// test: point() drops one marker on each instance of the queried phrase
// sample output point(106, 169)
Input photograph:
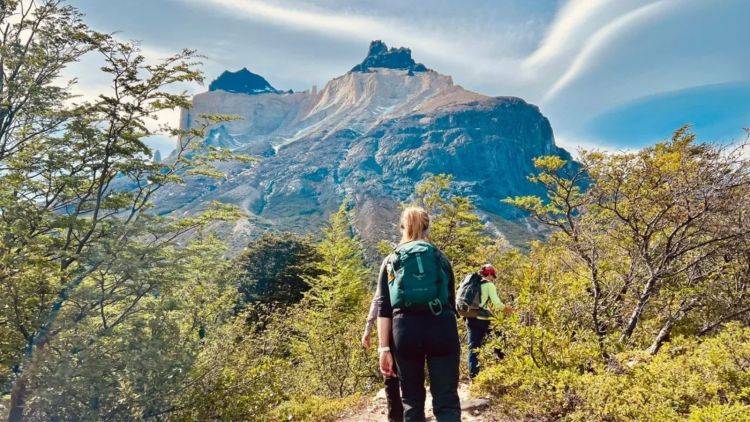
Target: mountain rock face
point(242, 81)
point(379, 56)
point(368, 136)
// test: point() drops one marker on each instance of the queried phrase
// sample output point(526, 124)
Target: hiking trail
point(374, 410)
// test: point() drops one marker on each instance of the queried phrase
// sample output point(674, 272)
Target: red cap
point(487, 270)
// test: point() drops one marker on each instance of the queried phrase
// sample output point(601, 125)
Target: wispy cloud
point(339, 24)
point(586, 58)
point(599, 39)
point(443, 44)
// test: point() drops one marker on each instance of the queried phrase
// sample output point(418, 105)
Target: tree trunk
point(20, 391)
point(17, 400)
point(667, 328)
point(661, 337)
point(36, 346)
point(638, 311)
point(599, 327)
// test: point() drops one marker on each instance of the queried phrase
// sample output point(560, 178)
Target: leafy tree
point(658, 231)
point(275, 268)
point(456, 229)
point(329, 318)
point(77, 180)
point(660, 234)
point(37, 41)
point(130, 357)
point(243, 371)
point(301, 362)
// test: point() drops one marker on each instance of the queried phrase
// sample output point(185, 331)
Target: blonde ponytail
point(414, 224)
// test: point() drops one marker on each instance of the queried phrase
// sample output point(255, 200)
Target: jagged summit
point(242, 81)
point(379, 55)
point(370, 135)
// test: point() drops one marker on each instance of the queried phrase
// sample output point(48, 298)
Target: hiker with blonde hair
point(417, 321)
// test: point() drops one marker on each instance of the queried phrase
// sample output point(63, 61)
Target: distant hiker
point(476, 292)
point(392, 389)
point(416, 309)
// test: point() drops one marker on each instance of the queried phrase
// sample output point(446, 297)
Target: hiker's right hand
point(386, 364)
point(365, 341)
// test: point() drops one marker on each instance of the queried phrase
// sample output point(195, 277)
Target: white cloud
point(566, 31)
point(646, 50)
point(599, 40)
point(571, 40)
point(444, 44)
point(594, 56)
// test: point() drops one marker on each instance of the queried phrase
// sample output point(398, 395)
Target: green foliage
point(302, 361)
point(635, 309)
point(692, 379)
point(242, 372)
point(276, 267)
point(82, 257)
point(130, 356)
point(455, 227)
point(314, 408)
point(328, 320)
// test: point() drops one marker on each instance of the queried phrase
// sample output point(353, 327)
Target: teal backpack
point(416, 278)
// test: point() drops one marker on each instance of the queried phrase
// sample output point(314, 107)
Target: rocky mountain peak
point(369, 135)
point(242, 81)
point(379, 55)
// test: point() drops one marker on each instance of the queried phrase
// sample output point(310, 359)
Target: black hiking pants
point(393, 398)
point(478, 329)
point(420, 338)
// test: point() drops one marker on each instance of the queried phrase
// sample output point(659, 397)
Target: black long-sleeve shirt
point(372, 316)
point(385, 310)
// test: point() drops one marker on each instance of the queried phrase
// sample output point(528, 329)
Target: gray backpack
point(469, 296)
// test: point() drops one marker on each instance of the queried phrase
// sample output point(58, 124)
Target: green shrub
point(700, 380)
point(314, 408)
point(721, 412)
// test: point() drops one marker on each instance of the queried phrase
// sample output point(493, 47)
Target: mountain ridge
point(368, 136)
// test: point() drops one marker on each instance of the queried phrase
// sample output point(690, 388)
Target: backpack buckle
point(435, 303)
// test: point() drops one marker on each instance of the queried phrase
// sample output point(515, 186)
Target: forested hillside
point(635, 307)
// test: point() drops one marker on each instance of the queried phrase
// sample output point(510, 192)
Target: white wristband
point(384, 349)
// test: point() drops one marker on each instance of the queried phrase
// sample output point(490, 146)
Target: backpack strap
point(393, 263)
point(436, 306)
point(394, 258)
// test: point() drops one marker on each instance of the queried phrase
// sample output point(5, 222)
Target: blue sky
point(609, 74)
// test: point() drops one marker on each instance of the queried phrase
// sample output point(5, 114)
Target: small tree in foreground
point(329, 319)
point(456, 228)
point(300, 362)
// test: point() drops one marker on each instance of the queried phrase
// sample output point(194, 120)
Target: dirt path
point(473, 409)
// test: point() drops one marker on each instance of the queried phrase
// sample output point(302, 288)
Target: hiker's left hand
point(386, 364)
point(365, 341)
point(507, 310)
